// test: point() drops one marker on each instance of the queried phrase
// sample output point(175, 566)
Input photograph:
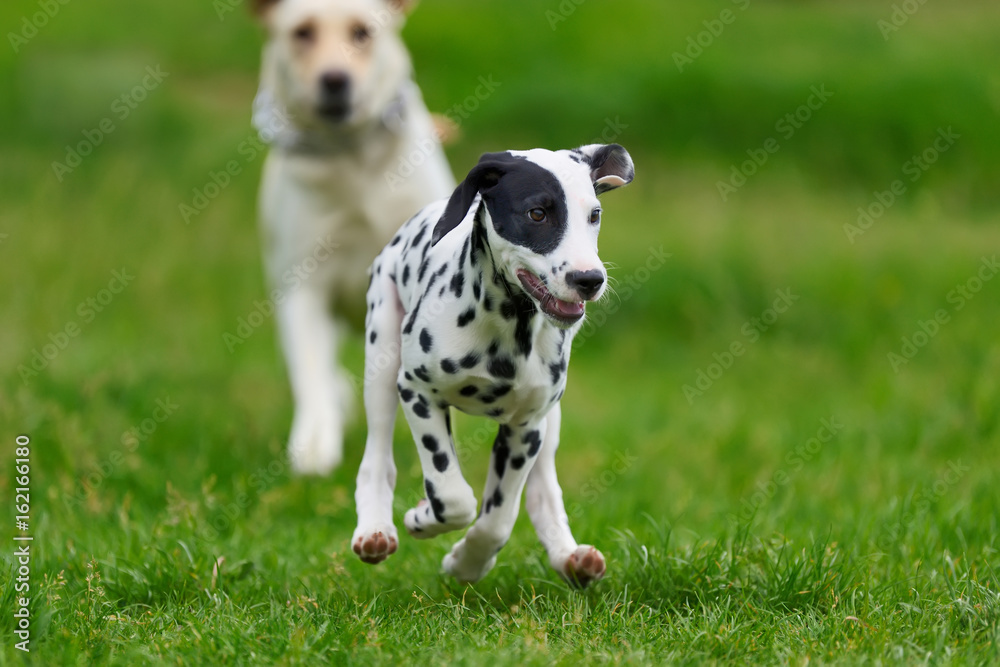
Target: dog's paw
point(374, 546)
point(466, 566)
point(422, 524)
point(315, 446)
point(584, 566)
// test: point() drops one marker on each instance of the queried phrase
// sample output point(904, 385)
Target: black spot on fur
point(447, 425)
point(493, 348)
point(497, 498)
point(478, 240)
point(556, 371)
point(517, 462)
point(407, 375)
point(495, 412)
point(534, 440)
point(404, 393)
point(413, 317)
point(440, 461)
point(507, 309)
point(502, 367)
point(430, 443)
point(467, 317)
point(426, 341)
point(423, 269)
point(477, 291)
point(406, 274)
point(396, 239)
point(501, 390)
point(421, 410)
point(430, 284)
point(522, 332)
point(419, 235)
point(422, 373)
point(457, 283)
point(501, 452)
point(372, 336)
point(461, 255)
point(437, 505)
point(469, 361)
point(448, 366)
point(487, 302)
point(469, 390)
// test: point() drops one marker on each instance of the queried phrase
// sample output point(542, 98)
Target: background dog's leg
point(514, 453)
point(579, 564)
point(450, 503)
point(375, 537)
point(309, 338)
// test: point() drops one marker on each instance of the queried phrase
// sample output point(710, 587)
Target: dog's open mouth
point(567, 312)
point(335, 112)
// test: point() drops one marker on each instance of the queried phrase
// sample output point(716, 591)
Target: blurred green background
point(693, 93)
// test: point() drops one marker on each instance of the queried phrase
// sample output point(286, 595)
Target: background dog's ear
point(610, 166)
point(261, 8)
point(484, 175)
point(401, 6)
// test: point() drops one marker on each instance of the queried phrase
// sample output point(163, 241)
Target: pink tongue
point(564, 308)
point(550, 304)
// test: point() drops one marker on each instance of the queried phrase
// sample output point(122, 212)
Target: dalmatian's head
point(337, 62)
point(542, 218)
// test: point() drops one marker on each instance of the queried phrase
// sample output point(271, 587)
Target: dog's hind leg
point(309, 338)
point(578, 564)
point(375, 538)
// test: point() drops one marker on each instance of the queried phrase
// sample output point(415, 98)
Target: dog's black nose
point(335, 82)
point(334, 89)
point(587, 283)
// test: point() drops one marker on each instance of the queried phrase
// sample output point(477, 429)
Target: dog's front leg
point(514, 453)
point(579, 564)
point(450, 503)
point(321, 393)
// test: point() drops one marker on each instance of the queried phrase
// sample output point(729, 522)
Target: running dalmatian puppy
point(474, 305)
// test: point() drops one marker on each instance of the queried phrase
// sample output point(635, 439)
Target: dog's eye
point(595, 216)
point(537, 214)
point(305, 33)
point(360, 34)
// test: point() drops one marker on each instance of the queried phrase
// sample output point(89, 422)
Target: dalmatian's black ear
point(483, 177)
point(610, 166)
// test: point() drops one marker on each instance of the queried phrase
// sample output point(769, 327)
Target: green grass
point(733, 533)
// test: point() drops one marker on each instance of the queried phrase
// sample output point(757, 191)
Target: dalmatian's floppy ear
point(483, 177)
point(610, 166)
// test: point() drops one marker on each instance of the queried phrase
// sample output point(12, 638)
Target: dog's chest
point(482, 370)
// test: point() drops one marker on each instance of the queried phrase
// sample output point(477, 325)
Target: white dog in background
point(353, 155)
